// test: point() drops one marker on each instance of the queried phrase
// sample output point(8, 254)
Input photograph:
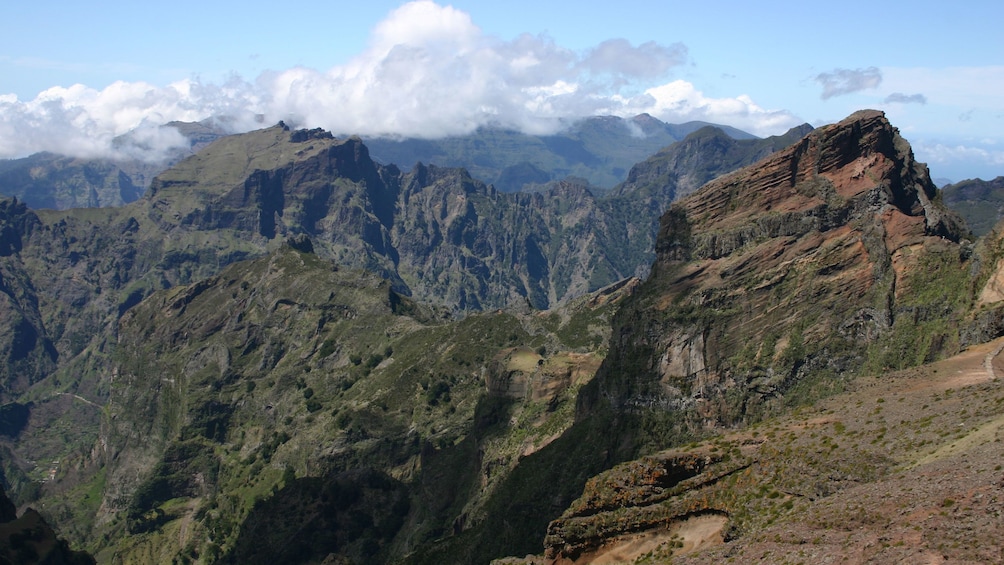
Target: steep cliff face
point(810, 264)
point(772, 286)
point(27, 352)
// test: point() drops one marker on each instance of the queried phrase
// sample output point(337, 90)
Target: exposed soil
point(943, 499)
point(694, 533)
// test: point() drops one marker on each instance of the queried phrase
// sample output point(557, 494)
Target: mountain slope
point(773, 286)
point(287, 381)
point(901, 467)
point(980, 202)
point(773, 273)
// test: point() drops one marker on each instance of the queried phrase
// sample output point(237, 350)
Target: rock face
point(792, 268)
point(772, 285)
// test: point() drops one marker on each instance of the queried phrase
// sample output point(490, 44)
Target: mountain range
point(598, 150)
point(601, 150)
point(288, 351)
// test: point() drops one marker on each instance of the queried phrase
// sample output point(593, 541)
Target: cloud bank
point(428, 71)
point(945, 153)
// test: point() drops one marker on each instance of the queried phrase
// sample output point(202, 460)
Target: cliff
point(774, 285)
point(804, 265)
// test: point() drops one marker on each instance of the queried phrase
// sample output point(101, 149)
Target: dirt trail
point(973, 366)
point(695, 533)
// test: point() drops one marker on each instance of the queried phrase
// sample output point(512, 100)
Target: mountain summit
point(800, 266)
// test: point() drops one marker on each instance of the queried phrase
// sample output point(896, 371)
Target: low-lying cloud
point(839, 82)
point(900, 98)
point(428, 71)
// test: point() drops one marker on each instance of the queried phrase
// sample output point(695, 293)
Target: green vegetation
point(318, 375)
point(235, 379)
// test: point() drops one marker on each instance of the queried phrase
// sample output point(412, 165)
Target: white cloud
point(951, 153)
point(845, 81)
point(428, 71)
point(680, 101)
point(900, 98)
point(960, 160)
point(85, 122)
point(618, 57)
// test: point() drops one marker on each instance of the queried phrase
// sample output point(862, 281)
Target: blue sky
point(75, 75)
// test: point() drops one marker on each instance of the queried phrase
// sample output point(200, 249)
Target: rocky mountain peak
point(799, 265)
point(858, 165)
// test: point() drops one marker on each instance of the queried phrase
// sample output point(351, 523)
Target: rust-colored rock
point(789, 268)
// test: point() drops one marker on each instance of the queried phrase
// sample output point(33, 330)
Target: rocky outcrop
point(797, 267)
point(645, 495)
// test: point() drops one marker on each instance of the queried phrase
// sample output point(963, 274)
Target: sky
point(75, 75)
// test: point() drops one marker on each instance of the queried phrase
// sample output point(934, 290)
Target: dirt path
point(701, 531)
point(695, 533)
point(77, 396)
point(973, 366)
point(988, 363)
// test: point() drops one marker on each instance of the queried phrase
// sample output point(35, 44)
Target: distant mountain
point(598, 149)
point(48, 180)
point(980, 202)
point(705, 154)
point(437, 234)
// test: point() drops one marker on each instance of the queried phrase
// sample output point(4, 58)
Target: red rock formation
point(789, 268)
